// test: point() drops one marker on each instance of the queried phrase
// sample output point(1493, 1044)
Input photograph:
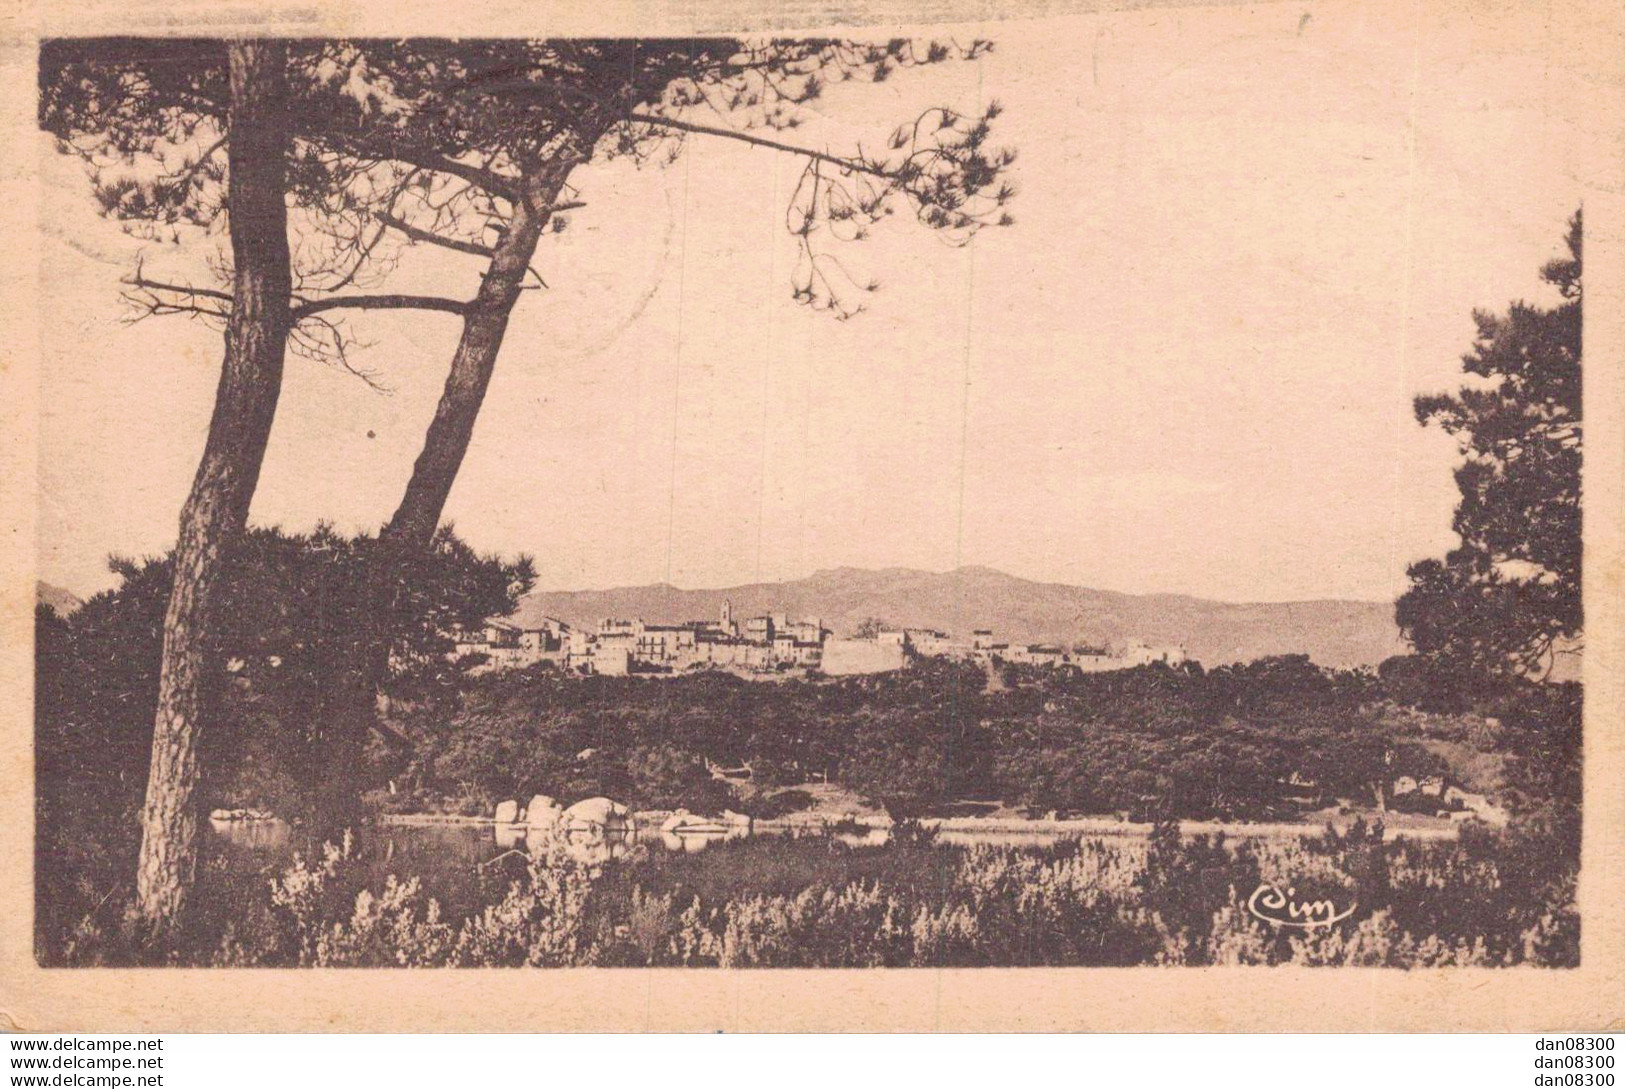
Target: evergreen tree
point(1506, 601)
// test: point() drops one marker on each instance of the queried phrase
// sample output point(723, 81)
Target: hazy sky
point(1244, 240)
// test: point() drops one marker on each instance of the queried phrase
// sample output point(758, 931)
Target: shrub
point(815, 902)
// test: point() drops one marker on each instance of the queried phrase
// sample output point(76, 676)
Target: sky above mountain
point(1245, 239)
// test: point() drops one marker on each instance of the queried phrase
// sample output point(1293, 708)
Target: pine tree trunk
point(418, 515)
point(216, 510)
point(412, 528)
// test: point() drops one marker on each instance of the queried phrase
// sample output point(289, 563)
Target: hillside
point(1333, 633)
point(63, 601)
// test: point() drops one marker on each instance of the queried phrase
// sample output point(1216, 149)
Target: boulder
point(684, 823)
point(507, 812)
point(676, 820)
point(543, 812)
point(597, 815)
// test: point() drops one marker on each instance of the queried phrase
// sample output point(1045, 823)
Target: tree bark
point(418, 514)
point(353, 709)
point(216, 510)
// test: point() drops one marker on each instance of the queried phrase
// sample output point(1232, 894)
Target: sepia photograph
point(1082, 489)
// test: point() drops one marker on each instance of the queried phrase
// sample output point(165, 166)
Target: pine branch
point(488, 180)
point(140, 281)
point(181, 177)
point(379, 302)
point(760, 141)
point(419, 235)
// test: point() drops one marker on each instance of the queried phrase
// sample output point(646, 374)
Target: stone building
point(770, 642)
point(501, 644)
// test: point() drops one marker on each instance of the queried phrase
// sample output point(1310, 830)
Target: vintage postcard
point(962, 517)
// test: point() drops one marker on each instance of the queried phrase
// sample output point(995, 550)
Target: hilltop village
point(768, 645)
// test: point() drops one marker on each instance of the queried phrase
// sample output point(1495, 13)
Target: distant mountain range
point(1333, 633)
point(63, 601)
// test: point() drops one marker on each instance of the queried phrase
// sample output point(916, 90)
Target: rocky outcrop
point(241, 815)
point(598, 815)
point(684, 823)
point(543, 812)
point(678, 821)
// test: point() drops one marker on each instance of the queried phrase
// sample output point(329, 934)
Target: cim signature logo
point(1283, 909)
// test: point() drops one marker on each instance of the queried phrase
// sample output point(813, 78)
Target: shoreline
point(1088, 826)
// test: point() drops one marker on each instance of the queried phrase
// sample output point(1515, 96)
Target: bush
point(295, 605)
point(666, 777)
point(1491, 899)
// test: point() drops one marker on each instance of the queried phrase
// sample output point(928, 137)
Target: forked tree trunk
point(353, 708)
point(217, 508)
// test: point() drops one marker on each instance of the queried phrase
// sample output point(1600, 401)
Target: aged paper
point(967, 459)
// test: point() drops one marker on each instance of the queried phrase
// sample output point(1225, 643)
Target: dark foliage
point(293, 602)
point(423, 139)
point(1158, 741)
point(1256, 741)
point(1506, 601)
